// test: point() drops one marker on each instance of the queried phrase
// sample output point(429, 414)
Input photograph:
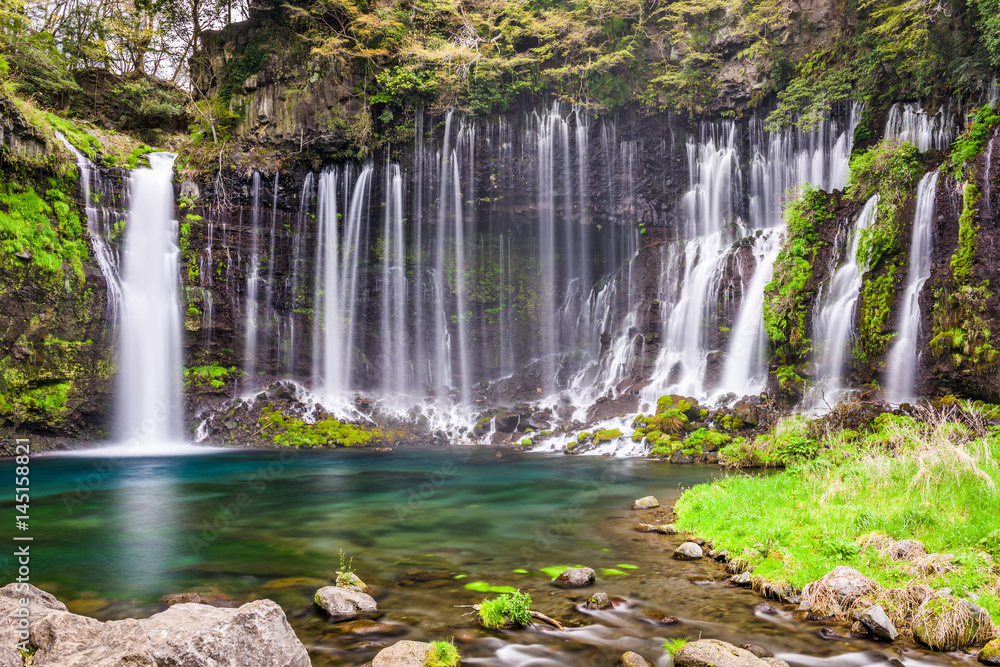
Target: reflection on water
point(114, 534)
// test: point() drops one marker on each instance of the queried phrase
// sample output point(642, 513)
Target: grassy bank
point(936, 479)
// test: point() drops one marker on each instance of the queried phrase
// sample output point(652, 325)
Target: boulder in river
point(757, 650)
point(667, 529)
point(598, 600)
point(646, 503)
point(948, 623)
point(405, 653)
point(990, 655)
point(344, 602)
point(715, 653)
point(645, 528)
point(688, 551)
point(877, 623)
point(575, 577)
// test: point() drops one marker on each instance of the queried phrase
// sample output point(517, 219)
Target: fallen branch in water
point(534, 614)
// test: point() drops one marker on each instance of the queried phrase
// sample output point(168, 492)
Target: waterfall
point(149, 379)
point(250, 299)
point(98, 230)
point(395, 357)
point(297, 260)
point(833, 323)
point(909, 122)
point(904, 355)
point(745, 370)
point(715, 180)
point(340, 256)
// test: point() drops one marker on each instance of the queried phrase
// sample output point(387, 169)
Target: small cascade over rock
point(909, 122)
point(149, 391)
point(904, 356)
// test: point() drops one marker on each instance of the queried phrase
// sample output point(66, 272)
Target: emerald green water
point(111, 536)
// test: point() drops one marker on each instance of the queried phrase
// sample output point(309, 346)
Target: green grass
point(213, 375)
point(514, 606)
point(293, 432)
point(444, 654)
point(933, 482)
point(672, 646)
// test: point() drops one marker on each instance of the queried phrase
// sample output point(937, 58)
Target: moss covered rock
point(990, 655)
point(949, 623)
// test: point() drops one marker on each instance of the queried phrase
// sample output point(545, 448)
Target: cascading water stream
point(97, 229)
point(909, 122)
point(834, 322)
point(395, 381)
point(252, 285)
point(904, 356)
point(149, 380)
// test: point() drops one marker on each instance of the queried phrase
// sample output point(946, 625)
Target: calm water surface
point(112, 535)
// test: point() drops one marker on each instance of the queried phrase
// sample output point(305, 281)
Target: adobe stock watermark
point(227, 514)
point(101, 470)
point(560, 522)
point(418, 495)
point(22, 539)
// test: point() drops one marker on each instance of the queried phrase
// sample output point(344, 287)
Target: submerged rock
point(649, 502)
point(688, 551)
point(715, 653)
point(951, 624)
point(645, 528)
point(576, 577)
point(598, 600)
point(344, 602)
point(877, 622)
point(405, 653)
point(184, 598)
point(757, 650)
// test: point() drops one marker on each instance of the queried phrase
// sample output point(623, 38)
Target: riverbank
point(909, 504)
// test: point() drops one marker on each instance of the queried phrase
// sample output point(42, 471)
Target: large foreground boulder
point(948, 623)
point(254, 635)
point(716, 653)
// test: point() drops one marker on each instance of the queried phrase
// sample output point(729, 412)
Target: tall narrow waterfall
point(834, 322)
point(252, 287)
point(905, 354)
point(149, 391)
point(99, 224)
point(396, 382)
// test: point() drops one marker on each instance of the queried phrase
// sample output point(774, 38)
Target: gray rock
point(776, 662)
point(598, 600)
point(254, 635)
point(757, 650)
point(907, 549)
point(630, 659)
point(352, 582)
point(339, 601)
point(952, 624)
point(10, 596)
point(667, 529)
point(649, 502)
point(715, 653)
point(575, 577)
point(877, 622)
point(405, 653)
point(837, 590)
point(645, 528)
point(688, 551)
point(741, 579)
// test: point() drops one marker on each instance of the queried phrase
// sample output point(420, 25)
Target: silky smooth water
point(113, 535)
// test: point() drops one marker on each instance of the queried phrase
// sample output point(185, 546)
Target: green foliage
point(672, 646)
point(47, 230)
point(292, 432)
point(874, 332)
point(606, 435)
point(443, 654)
point(934, 482)
point(511, 606)
point(961, 321)
point(213, 375)
point(888, 169)
point(708, 439)
point(968, 234)
point(84, 142)
point(787, 444)
point(345, 573)
point(785, 304)
point(973, 140)
point(240, 67)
